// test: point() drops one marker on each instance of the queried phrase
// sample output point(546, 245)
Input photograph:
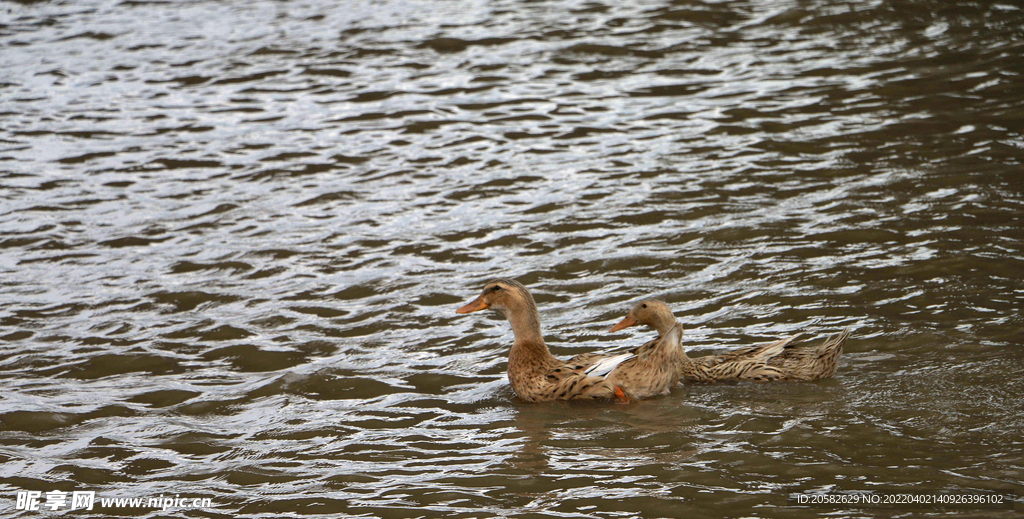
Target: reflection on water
point(234, 236)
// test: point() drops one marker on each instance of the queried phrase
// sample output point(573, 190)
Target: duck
point(780, 360)
point(537, 376)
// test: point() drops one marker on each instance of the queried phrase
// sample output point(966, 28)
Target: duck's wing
point(604, 366)
point(584, 377)
point(624, 376)
point(584, 360)
point(655, 370)
point(746, 369)
point(669, 345)
point(647, 346)
point(763, 352)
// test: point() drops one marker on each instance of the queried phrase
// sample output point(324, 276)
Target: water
point(234, 236)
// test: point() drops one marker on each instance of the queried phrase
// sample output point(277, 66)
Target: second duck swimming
point(779, 360)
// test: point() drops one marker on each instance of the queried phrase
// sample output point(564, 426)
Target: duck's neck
point(529, 351)
point(663, 322)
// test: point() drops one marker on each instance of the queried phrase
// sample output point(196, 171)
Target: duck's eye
point(643, 305)
point(495, 288)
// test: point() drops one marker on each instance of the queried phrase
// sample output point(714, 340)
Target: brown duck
point(776, 361)
point(536, 375)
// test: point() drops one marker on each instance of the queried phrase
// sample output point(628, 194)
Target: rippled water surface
point(233, 236)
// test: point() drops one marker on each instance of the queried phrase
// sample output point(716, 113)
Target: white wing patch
point(605, 366)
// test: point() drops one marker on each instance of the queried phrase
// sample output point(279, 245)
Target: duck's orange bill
point(475, 305)
point(625, 323)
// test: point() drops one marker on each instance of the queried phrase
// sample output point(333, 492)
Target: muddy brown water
point(233, 236)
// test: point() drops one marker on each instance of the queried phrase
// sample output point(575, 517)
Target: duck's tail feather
point(774, 349)
point(828, 354)
point(833, 346)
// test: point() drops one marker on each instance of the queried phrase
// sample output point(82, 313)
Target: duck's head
point(650, 312)
point(503, 295)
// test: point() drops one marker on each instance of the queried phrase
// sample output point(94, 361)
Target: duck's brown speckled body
point(779, 360)
point(536, 375)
